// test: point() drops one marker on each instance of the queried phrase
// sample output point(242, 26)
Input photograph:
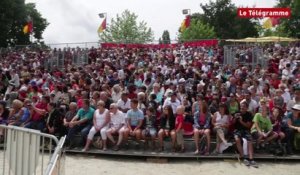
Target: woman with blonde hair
point(15, 111)
point(101, 120)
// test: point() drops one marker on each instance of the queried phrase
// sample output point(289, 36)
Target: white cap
point(181, 80)
point(296, 107)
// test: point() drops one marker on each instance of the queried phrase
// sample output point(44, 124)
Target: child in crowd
point(150, 128)
point(179, 127)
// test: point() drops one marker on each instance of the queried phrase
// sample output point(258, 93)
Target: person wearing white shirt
point(124, 103)
point(285, 93)
point(173, 102)
point(117, 121)
point(252, 104)
point(287, 72)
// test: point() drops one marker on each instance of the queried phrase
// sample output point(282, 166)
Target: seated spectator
point(134, 121)
point(294, 126)
point(54, 122)
point(276, 119)
point(252, 104)
point(37, 120)
point(70, 114)
point(220, 123)
point(179, 128)
point(167, 127)
point(262, 129)
point(173, 102)
point(101, 120)
point(242, 122)
point(25, 118)
point(202, 119)
point(15, 112)
point(142, 101)
point(4, 113)
point(150, 129)
point(116, 93)
point(124, 102)
point(233, 105)
point(82, 123)
point(117, 122)
point(197, 104)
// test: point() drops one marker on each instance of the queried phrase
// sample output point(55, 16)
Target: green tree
point(222, 15)
point(13, 17)
point(126, 29)
point(291, 25)
point(166, 37)
point(197, 30)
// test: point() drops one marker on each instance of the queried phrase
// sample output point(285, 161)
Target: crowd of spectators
point(146, 93)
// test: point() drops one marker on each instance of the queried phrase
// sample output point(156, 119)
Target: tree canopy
point(222, 15)
point(165, 38)
point(126, 29)
point(197, 30)
point(14, 14)
point(290, 26)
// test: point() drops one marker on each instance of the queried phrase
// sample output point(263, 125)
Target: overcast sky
point(78, 20)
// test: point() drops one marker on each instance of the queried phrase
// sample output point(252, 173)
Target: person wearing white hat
point(293, 122)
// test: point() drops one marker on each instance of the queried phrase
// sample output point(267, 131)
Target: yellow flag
point(267, 24)
point(25, 29)
point(183, 26)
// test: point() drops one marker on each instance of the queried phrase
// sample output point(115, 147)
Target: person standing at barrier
point(82, 123)
point(37, 120)
point(134, 121)
point(101, 120)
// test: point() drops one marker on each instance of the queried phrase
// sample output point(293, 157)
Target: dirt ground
point(90, 165)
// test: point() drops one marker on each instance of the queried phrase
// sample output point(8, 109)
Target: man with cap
point(293, 133)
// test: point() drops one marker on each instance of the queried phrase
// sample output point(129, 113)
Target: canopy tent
point(264, 39)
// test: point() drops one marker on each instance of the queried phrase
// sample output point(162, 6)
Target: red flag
point(28, 28)
point(187, 21)
point(275, 21)
point(102, 27)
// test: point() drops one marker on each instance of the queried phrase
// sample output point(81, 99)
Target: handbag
point(97, 142)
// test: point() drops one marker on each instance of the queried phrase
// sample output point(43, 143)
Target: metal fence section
point(27, 152)
point(244, 54)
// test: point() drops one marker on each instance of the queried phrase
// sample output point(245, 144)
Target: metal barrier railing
point(245, 54)
point(26, 152)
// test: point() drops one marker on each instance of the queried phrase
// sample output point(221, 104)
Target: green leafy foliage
point(197, 30)
point(222, 15)
point(13, 16)
point(126, 29)
point(165, 39)
point(291, 26)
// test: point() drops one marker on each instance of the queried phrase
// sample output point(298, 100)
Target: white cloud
point(77, 20)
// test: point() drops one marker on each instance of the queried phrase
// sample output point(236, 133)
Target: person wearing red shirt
point(38, 113)
point(179, 127)
point(275, 81)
